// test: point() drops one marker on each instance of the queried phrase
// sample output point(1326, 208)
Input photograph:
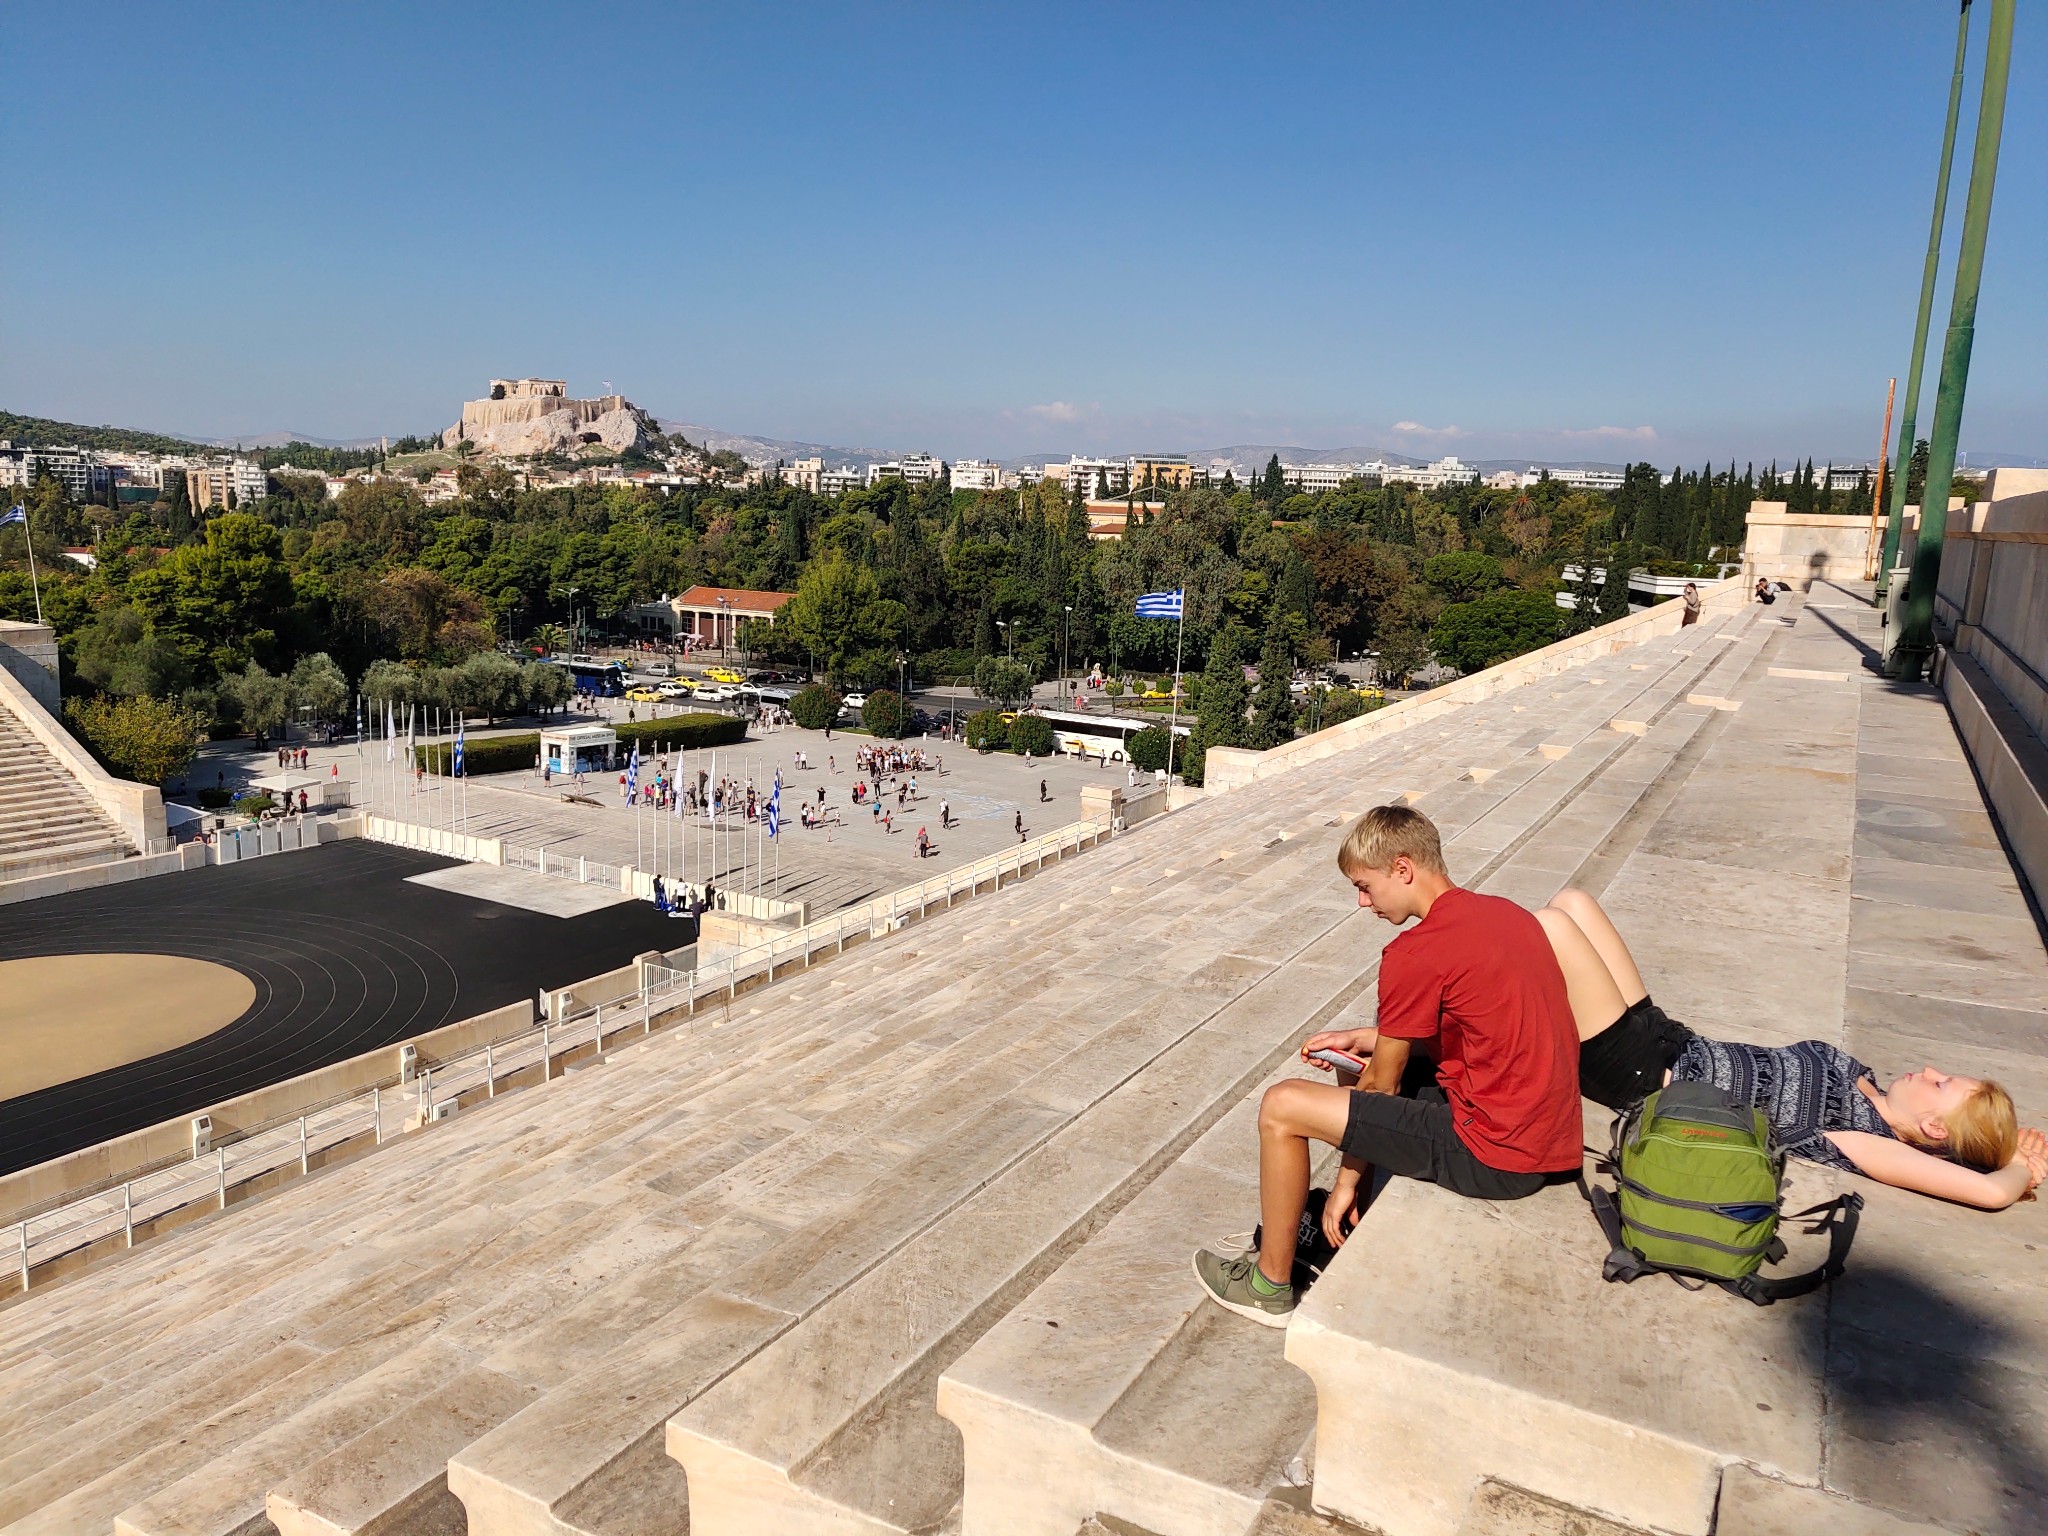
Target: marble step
point(225, 1497)
point(860, 1448)
point(1110, 1390)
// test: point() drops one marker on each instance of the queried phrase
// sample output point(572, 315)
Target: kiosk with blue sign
point(579, 748)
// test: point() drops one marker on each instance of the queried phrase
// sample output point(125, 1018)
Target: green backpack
point(1698, 1184)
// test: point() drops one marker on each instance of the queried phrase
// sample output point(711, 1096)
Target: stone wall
point(29, 653)
point(1992, 601)
point(137, 809)
point(1804, 547)
point(1228, 768)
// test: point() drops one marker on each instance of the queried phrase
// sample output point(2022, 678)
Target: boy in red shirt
point(1492, 1109)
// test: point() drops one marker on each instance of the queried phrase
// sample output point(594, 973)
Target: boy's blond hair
point(1388, 832)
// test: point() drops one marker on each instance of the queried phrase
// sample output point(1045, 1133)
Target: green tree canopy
point(1002, 681)
point(143, 739)
point(1475, 635)
point(1463, 575)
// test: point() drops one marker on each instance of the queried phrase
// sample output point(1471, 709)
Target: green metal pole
point(1903, 460)
point(1916, 631)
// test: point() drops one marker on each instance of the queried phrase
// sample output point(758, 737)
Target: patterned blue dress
point(1804, 1090)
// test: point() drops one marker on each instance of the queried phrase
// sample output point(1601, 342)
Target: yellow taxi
point(1156, 693)
point(725, 674)
point(643, 695)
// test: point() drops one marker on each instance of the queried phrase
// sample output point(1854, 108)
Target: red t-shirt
point(1478, 975)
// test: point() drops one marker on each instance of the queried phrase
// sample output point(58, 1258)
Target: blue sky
point(1557, 231)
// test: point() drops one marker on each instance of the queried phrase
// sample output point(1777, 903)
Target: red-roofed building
point(707, 616)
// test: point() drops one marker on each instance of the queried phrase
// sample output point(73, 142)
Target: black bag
point(1312, 1250)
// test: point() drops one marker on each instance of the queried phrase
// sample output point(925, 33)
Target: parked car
point(659, 669)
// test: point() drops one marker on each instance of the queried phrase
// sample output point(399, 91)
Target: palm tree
point(551, 638)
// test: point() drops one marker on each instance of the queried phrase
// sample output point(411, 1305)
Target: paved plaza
point(844, 863)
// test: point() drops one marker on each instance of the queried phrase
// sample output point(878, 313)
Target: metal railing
point(665, 994)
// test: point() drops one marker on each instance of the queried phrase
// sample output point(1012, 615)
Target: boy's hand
point(1359, 1042)
point(1337, 1208)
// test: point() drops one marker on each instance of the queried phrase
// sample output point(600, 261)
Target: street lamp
point(724, 623)
point(1010, 633)
point(901, 659)
point(1066, 641)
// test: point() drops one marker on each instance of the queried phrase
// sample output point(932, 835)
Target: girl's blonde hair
point(1985, 1132)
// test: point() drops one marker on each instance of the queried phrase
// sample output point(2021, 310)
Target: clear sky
point(1561, 231)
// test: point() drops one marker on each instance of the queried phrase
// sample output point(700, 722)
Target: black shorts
point(1627, 1060)
point(1412, 1135)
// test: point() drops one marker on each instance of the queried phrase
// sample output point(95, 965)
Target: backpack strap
point(1621, 1263)
point(1838, 1219)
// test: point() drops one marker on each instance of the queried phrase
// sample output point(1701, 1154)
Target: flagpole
point(28, 538)
point(1173, 724)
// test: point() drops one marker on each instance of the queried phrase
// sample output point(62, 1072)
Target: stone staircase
point(896, 1245)
point(48, 823)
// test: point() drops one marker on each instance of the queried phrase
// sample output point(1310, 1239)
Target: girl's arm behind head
point(1907, 1167)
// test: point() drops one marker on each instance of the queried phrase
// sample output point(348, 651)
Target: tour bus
point(604, 678)
point(1081, 734)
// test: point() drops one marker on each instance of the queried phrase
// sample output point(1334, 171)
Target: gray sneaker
point(1229, 1284)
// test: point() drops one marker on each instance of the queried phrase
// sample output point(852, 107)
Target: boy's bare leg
point(1291, 1115)
point(1596, 1000)
point(1605, 938)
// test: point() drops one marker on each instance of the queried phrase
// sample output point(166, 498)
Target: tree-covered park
point(283, 607)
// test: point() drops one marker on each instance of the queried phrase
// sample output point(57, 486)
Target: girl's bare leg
point(1596, 1001)
point(1601, 933)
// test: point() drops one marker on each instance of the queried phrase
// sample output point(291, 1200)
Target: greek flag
point(632, 772)
point(18, 515)
point(458, 749)
point(1161, 605)
point(775, 809)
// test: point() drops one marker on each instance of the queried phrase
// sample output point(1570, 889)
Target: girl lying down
point(1933, 1132)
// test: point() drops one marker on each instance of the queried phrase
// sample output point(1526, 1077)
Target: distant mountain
point(279, 439)
point(766, 450)
point(41, 431)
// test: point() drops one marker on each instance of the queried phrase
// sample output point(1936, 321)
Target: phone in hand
point(1342, 1061)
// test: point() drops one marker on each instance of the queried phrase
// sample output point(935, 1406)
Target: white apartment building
point(208, 483)
point(977, 475)
point(1577, 479)
point(1322, 477)
point(80, 469)
point(803, 474)
point(837, 482)
point(1094, 476)
point(917, 468)
point(1449, 470)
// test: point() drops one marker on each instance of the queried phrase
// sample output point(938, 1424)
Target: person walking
point(924, 843)
point(1693, 604)
point(945, 815)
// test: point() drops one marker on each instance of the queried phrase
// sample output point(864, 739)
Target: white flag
point(390, 743)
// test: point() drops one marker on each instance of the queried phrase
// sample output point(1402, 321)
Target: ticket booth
point(579, 749)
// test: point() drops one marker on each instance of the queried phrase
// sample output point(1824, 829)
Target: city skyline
point(1599, 236)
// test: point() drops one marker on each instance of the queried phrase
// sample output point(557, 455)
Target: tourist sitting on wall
point(1494, 1116)
point(1954, 1137)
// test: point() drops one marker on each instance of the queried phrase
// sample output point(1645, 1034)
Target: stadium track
point(346, 957)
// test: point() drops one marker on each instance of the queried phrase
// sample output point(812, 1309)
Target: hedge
point(987, 731)
point(1033, 734)
point(508, 754)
